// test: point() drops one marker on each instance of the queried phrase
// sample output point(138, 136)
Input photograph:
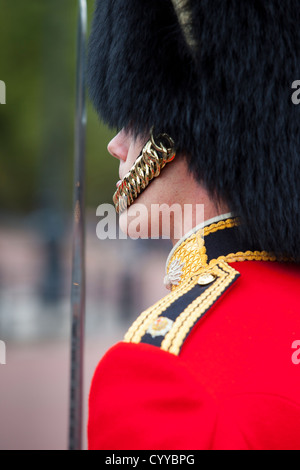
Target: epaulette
point(201, 276)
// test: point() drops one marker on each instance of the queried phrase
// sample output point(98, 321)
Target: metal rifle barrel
point(78, 254)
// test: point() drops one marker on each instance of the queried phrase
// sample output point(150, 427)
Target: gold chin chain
point(147, 167)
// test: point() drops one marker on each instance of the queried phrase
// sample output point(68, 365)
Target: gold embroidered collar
point(199, 274)
point(205, 247)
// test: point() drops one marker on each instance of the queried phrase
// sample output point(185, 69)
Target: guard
point(201, 91)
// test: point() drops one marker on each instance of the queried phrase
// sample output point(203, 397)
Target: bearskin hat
point(216, 75)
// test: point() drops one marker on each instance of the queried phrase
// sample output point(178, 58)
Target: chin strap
point(78, 256)
point(148, 166)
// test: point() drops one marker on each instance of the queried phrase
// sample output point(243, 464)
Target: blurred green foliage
point(37, 63)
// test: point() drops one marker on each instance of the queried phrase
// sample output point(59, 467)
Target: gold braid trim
point(239, 256)
point(248, 256)
point(140, 326)
point(185, 321)
point(221, 225)
point(192, 251)
point(196, 240)
point(174, 339)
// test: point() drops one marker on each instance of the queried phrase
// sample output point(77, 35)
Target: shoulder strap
point(168, 322)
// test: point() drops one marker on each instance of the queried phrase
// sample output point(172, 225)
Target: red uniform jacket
point(213, 368)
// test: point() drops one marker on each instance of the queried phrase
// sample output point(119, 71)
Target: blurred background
point(37, 64)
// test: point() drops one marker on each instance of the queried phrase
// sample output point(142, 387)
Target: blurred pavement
point(123, 277)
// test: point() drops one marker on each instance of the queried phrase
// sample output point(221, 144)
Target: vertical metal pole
point(78, 267)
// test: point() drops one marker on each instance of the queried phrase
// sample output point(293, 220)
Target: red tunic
point(235, 383)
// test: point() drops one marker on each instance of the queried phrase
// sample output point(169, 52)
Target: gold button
point(206, 279)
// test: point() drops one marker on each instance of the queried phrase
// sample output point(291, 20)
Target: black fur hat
point(217, 76)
